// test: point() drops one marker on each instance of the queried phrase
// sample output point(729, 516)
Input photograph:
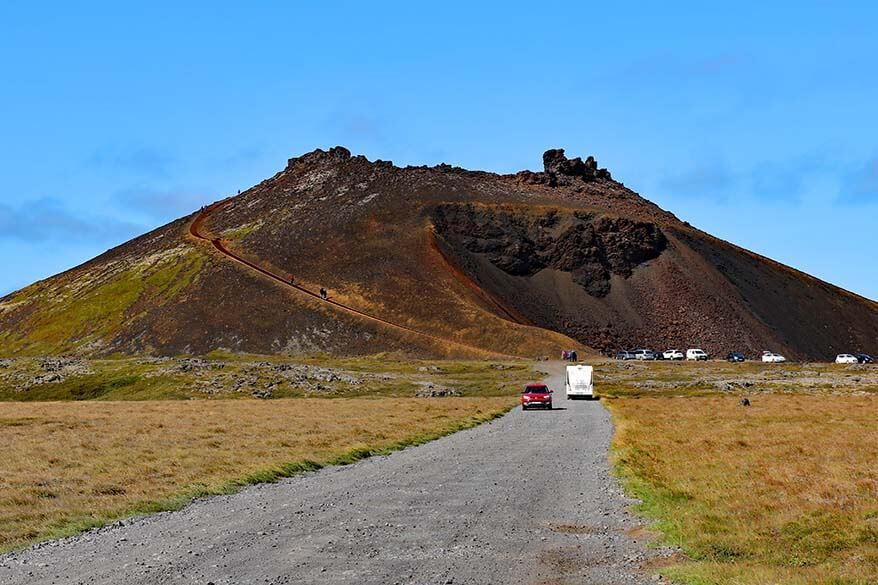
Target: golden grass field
point(71, 465)
point(782, 492)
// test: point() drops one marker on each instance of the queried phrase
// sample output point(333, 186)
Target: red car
point(536, 396)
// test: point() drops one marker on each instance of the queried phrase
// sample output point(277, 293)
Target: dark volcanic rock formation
point(558, 170)
point(336, 154)
point(590, 248)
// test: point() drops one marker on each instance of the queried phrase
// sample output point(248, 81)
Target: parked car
point(579, 382)
point(846, 358)
point(735, 356)
point(625, 355)
point(645, 354)
point(865, 358)
point(696, 354)
point(673, 354)
point(536, 396)
point(770, 357)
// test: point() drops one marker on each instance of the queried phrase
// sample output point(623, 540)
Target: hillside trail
point(525, 499)
point(196, 230)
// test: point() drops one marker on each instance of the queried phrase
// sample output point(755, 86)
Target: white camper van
point(579, 383)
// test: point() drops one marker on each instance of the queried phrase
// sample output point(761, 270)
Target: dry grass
point(663, 378)
point(785, 491)
point(71, 465)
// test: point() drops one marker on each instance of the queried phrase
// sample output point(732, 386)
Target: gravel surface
point(525, 499)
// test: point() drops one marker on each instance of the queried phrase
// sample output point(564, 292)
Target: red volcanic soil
point(436, 261)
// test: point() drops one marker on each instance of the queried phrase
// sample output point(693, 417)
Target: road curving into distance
point(196, 229)
point(525, 499)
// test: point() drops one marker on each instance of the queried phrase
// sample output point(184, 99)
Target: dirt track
point(197, 231)
point(525, 499)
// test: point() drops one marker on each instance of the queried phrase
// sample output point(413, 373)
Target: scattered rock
point(433, 369)
point(150, 361)
point(69, 366)
point(430, 390)
point(56, 369)
point(298, 373)
point(51, 378)
point(729, 386)
point(198, 364)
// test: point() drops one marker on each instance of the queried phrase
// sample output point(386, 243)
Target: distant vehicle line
point(195, 231)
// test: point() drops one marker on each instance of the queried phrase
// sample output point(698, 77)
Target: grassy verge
point(783, 492)
point(70, 466)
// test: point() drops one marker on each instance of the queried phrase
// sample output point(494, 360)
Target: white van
point(696, 354)
point(579, 383)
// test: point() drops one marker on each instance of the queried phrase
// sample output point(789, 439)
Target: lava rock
point(430, 390)
point(561, 169)
point(590, 248)
point(320, 156)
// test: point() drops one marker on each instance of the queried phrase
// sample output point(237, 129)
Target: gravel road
point(525, 499)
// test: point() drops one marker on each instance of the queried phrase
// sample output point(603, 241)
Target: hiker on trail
point(323, 293)
point(292, 279)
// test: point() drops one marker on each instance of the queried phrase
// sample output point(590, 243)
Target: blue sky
point(755, 122)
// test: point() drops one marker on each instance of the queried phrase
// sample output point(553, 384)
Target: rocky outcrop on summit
point(319, 156)
point(558, 170)
point(558, 165)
